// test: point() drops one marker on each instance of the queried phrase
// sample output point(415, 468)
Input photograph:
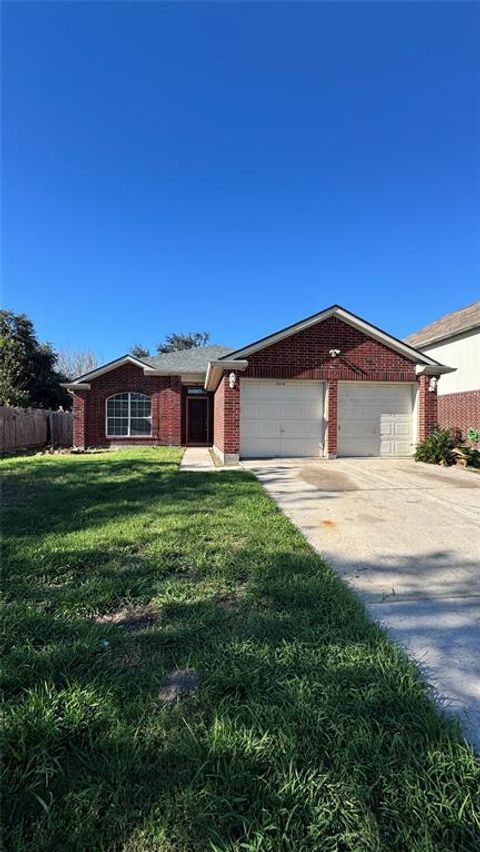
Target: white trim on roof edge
point(72, 386)
point(336, 310)
point(216, 369)
point(433, 370)
point(434, 341)
point(112, 365)
point(236, 360)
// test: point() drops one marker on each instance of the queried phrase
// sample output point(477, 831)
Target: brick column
point(331, 430)
point(79, 405)
point(227, 421)
point(232, 420)
point(170, 412)
point(427, 408)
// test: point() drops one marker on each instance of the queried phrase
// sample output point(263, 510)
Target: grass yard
point(308, 729)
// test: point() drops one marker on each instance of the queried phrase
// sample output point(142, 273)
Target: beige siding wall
point(462, 352)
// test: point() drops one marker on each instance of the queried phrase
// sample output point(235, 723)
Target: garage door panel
point(359, 445)
point(263, 429)
point(290, 411)
point(386, 448)
point(281, 418)
point(261, 447)
point(375, 420)
point(294, 447)
point(397, 429)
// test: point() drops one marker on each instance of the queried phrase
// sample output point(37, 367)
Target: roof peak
point(344, 315)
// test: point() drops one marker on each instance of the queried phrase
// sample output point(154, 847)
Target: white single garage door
point(281, 418)
point(374, 419)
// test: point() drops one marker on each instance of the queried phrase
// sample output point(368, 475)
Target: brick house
point(455, 340)
point(331, 384)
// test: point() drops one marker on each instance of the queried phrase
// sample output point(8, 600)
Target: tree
point(139, 351)
point(28, 374)
point(178, 342)
point(75, 362)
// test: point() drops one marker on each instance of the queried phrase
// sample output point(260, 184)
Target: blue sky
point(236, 167)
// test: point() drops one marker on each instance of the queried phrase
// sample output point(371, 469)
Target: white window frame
point(129, 416)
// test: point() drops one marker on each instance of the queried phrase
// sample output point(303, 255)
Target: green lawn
point(308, 731)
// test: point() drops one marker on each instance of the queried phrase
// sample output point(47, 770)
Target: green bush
point(438, 447)
point(473, 435)
point(467, 456)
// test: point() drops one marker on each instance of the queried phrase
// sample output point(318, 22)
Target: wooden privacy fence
point(27, 428)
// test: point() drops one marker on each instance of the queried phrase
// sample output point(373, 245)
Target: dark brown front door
point(197, 420)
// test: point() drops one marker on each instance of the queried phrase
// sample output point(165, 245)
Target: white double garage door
point(281, 418)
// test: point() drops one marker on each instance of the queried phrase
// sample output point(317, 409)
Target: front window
point(129, 415)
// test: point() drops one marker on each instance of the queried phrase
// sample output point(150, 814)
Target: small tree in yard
point(179, 342)
point(75, 362)
point(28, 372)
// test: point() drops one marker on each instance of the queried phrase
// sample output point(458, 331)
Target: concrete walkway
point(197, 459)
point(406, 537)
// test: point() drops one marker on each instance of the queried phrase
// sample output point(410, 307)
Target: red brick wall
point(331, 425)
point(79, 407)
point(305, 356)
point(427, 408)
point(226, 433)
point(164, 392)
point(460, 411)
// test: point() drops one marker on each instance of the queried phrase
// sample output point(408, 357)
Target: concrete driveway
point(406, 536)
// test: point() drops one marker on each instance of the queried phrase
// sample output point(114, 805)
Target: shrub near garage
point(438, 447)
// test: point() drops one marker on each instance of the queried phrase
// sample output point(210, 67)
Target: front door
point(197, 419)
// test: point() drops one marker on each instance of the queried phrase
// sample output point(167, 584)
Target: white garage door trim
point(375, 419)
point(281, 418)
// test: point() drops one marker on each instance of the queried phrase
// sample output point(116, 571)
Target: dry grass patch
point(178, 683)
point(126, 659)
point(129, 618)
point(232, 601)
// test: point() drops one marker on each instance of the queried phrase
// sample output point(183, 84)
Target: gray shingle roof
point(447, 326)
point(187, 360)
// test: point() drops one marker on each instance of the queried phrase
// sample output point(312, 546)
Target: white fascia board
point(370, 330)
point(193, 378)
point(112, 365)
point(216, 369)
point(281, 335)
point(73, 386)
point(386, 339)
point(433, 369)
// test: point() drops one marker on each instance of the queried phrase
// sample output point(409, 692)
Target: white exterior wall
point(462, 352)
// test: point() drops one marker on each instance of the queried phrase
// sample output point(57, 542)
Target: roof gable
point(110, 365)
point(346, 316)
point(193, 360)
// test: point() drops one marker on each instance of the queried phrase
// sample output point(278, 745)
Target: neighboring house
point(331, 384)
point(455, 340)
